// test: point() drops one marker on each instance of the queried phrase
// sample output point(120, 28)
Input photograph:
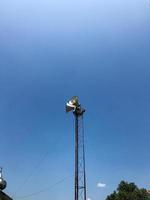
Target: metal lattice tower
point(80, 175)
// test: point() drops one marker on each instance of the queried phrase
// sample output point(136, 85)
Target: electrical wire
point(33, 171)
point(40, 162)
point(43, 190)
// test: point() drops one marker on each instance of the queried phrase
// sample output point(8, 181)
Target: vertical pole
point(0, 172)
point(84, 162)
point(76, 156)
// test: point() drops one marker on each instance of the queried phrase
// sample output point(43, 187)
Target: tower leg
point(76, 157)
point(80, 175)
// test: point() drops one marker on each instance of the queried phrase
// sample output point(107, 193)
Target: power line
point(43, 190)
point(39, 163)
point(32, 173)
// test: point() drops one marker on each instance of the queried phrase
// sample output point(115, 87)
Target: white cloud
point(88, 198)
point(101, 185)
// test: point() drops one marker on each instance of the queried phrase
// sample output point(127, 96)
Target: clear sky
point(51, 50)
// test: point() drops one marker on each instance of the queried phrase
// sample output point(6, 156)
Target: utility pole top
point(3, 183)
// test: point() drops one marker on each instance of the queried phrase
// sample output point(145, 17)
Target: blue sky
point(52, 50)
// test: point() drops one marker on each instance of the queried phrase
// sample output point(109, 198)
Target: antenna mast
point(80, 175)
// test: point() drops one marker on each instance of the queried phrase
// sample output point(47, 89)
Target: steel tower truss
point(80, 176)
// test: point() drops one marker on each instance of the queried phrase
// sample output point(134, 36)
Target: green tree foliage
point(128, 191)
